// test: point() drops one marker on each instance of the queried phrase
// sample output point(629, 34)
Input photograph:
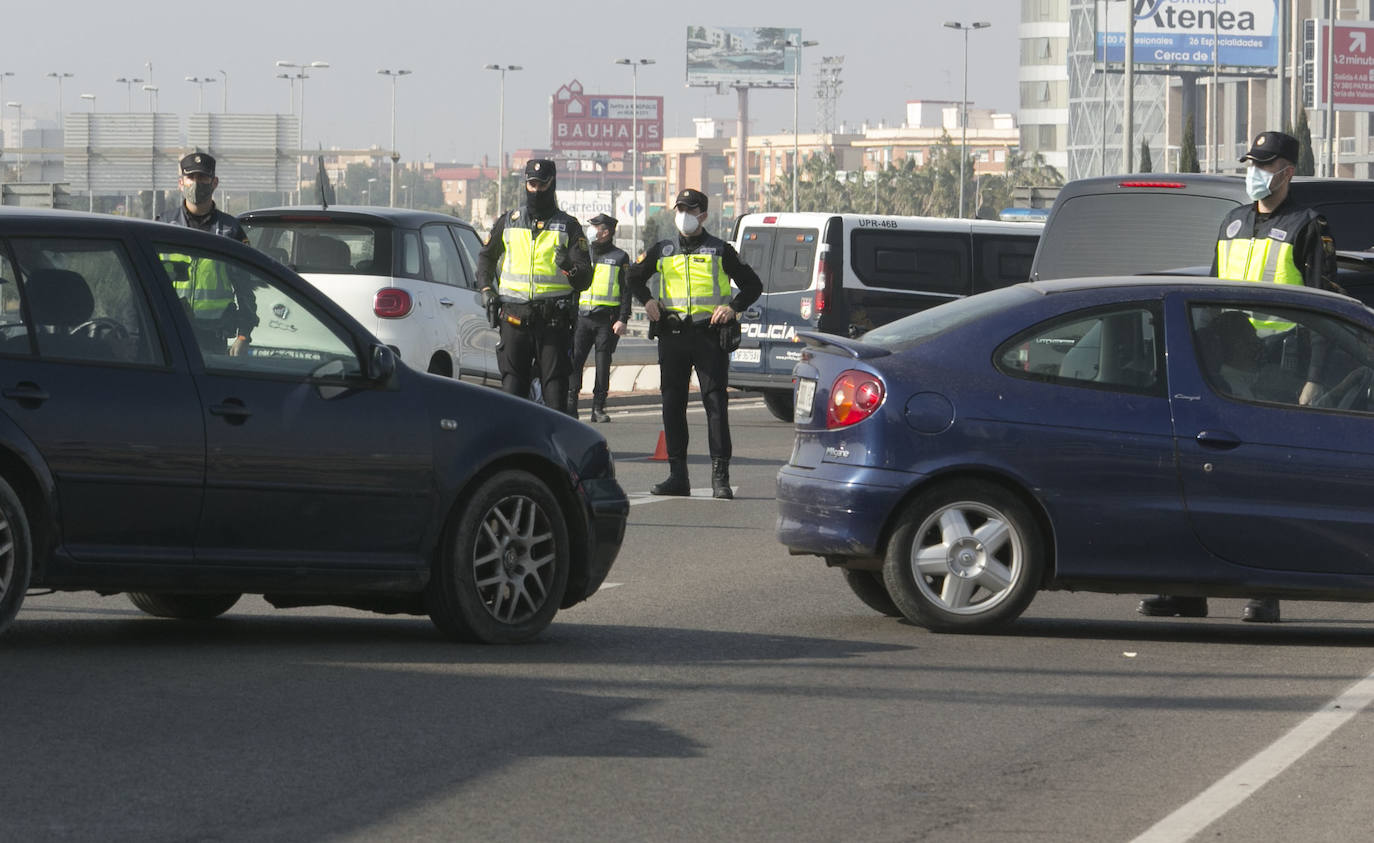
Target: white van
point(846, 273)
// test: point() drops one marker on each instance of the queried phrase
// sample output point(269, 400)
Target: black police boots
point(677, 483)
point(599, 415)
point(1169, 606)
point(720, 480)
point(1261, 610)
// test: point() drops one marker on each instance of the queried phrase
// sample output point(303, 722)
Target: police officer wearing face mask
point(221, 307)
point(603, 312)
point(695, 320)
point(1273, 240)
point(530, 271)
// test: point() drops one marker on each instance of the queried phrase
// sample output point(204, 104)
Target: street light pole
point(152, 97)
point(796, 143)
point(368, 190)
point(501, 133)
point(395, 156)
point(634, 149)
point(224, 105)
point(130, 81)
point(963, 106)
point(199, 82)
point(301, 68)
point(59, 77)
point(19, 137)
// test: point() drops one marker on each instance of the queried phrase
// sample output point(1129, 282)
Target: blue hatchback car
point(1131, 435)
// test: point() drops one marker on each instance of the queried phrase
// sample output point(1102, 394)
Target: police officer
point(691, 310)
point(603, 312)
point(530, 271)
point(1272, 240)
point(222, 307)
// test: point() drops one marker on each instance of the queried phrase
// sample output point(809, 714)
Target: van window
point(1130, 234)
point(794, 258)
point(910, 260)
point(1002, 260)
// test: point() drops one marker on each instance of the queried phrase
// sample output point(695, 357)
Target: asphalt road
point(716, 689)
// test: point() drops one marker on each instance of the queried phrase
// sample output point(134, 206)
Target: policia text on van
point(846, 273)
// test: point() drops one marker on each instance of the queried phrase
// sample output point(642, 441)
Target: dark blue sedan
point(1140, 435)
point(184, 420)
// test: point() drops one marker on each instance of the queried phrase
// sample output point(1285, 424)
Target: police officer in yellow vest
point(603, 312)
point(531, 270)
point(1273, 240)
point(696, 321)
point(223, 311)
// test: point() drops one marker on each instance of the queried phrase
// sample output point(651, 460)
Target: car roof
point(17, 220)
point(1309, 189)
point(1165, 283)
point(400, 217)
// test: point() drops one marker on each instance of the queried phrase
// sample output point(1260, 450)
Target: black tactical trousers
point(678, 354)
point(593, 330)
point(542, 347)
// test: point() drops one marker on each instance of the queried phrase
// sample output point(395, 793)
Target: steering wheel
point(1344, 395)
point(101, 328)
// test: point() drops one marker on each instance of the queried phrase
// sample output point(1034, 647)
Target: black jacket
point(741, 273)
point(1313, 250)
point(215, 222)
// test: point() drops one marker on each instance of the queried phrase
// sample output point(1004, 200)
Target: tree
point(512, 194)
point(1306, 163)
point(1187, 152)
point(1146, 165)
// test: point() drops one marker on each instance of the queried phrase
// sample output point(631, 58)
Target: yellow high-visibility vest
point(528, 267)
point(692, 283)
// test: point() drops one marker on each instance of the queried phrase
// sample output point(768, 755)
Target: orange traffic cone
point(661, 452)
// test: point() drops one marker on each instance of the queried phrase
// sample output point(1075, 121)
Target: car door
point(477, 337)
point(87, 377)
point(307, 463)
point(1268, 482)
point(449, 283)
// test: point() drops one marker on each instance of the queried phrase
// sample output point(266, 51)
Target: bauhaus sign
point(604, 122)
point(1245, 33)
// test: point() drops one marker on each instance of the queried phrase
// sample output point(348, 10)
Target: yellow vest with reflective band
point(1257, 259)
point(528, 268)
point(605, 288)
point(692, 283)
point(206, 288)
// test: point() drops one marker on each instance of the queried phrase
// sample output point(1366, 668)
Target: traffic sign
point(1352, 66)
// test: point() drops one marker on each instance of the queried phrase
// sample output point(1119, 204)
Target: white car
point(410, 277)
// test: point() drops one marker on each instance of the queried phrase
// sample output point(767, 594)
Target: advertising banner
point(1184, 33)
point(749, 56)
point(585, 122)
point(1352, 66)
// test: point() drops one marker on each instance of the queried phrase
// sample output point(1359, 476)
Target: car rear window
point(333, 248)
point(1130, 234)
point(927, 324)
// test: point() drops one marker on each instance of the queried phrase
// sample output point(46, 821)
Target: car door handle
point(446, 302)
point(26, 391)
point(232, 409)
point(1220, 440)
point(753, 313)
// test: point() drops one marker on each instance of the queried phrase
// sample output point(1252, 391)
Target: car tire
point(966, 556)
point(869, 587)
point(779, 403)
point(502, 569)
point(184, 607)
point(16, 554)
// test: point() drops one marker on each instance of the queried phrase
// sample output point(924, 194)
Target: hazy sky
point(447, 110)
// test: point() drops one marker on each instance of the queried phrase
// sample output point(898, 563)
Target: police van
point(846, 273)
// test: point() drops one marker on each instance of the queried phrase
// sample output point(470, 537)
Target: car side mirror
point(381, 363)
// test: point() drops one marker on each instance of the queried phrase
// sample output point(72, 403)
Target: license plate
point(806, 396)
point(747, 355)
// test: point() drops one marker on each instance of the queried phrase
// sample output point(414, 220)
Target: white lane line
point(606, 585)
point(701, 492)
point(1245, 780)
point(656, 410)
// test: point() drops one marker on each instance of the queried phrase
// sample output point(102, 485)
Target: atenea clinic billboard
point(741, 55)
point(1184, 33)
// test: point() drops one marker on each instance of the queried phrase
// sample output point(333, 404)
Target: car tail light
point(1173, 185)
point(770, 220)
point(854, 397)
point(822, 283)
point(392, 303)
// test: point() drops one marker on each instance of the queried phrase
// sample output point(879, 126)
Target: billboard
point(1352, 66)
point(585, 122)
point(749, 56)
point(1183, 33)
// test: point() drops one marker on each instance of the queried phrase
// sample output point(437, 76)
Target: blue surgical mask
point(1257, 182)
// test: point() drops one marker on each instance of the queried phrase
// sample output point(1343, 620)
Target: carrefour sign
point(1244, 33)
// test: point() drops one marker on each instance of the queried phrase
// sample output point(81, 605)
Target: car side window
point(442, 254)
point(1270, 356)
point(470, 246)
point(85, 302)
point(408, 263)
point(247, 322)
point(14, 331)
point(1107, 349)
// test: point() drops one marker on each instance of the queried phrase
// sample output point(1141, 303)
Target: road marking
point(1242, 782)
point(656, 410)
point(606, 585)
point(700, 493)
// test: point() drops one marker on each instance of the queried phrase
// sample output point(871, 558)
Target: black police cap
point(604, 219)
point(693, 199)
point(1271, 145)
point(540, 169)
point(198, 162)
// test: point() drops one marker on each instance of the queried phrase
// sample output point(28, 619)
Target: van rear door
point(785, 259)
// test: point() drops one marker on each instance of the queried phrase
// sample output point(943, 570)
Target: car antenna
point(322, 186)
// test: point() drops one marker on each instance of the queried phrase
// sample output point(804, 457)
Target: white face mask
point(687, 223)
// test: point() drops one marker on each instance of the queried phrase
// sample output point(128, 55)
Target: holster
point(730, 334)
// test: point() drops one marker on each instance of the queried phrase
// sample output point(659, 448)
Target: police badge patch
point(1233, 229)
point(667, 250)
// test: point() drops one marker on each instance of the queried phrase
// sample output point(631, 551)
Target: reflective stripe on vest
point(605, 288)
point(206, 287)
point(692, 284)
point(528, 270)
point(1265, 260)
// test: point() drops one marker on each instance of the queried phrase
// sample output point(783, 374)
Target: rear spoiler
point(844, 345)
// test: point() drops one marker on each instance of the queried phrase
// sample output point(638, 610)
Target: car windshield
point(919, 327)
point(318, 246)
